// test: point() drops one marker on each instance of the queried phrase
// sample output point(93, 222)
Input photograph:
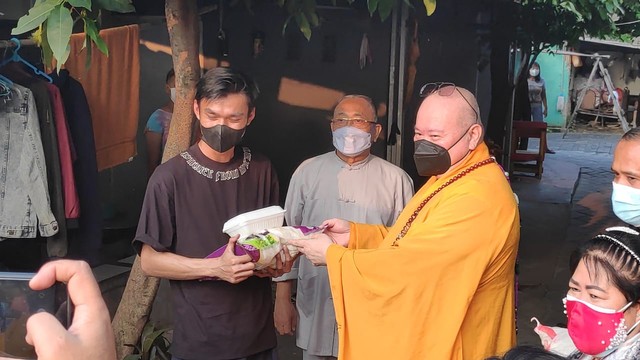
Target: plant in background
point(53, 22)
point(154, 345)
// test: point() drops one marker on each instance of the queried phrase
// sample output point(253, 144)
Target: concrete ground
point(570, 204)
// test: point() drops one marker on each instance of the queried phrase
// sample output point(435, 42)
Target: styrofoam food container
point(254, 221)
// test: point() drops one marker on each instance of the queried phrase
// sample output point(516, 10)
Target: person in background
point(439, 283)
point(157, 129)
point(625, 197)
point(538, 96)
point(349, 182)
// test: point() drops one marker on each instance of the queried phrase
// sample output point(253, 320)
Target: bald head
point(450, 121)
point(459, 109)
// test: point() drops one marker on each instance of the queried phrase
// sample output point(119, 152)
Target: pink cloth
point(70, 193)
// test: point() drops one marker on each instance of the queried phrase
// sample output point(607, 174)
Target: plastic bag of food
point(264, 246)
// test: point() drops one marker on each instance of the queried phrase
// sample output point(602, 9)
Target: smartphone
point(18, 302)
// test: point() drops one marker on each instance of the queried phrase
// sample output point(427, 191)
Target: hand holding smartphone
point(89, 334)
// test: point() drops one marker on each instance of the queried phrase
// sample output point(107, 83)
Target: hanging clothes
point(86, 240)
point(56, 244)
point(112, 88)
point(71, 201)
point(25, 208)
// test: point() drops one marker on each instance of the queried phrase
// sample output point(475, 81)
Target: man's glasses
point(445, 89)
point(361, 123)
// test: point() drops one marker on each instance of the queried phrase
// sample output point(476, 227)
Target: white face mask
point(534, 72)
point(626, 203)
point(173, 94)
point(351, 141)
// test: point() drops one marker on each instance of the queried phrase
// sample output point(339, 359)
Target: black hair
point(537, 77)
point(220, 82)
point(528, 353)
point(633, 134)
point(170, 74)
point(616, 252)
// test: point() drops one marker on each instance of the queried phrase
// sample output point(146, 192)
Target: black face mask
point(432, 159)
point(221, 137)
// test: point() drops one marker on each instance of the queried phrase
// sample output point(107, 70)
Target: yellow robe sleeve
point(444, 292)
point(364, 236)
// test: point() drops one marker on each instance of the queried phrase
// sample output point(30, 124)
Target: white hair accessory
point(623, 229)
point(620, 244)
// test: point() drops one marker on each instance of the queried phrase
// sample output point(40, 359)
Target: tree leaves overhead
point(54, 21)
point(36, 16)
point(430, 5)
point(80, 4)
point(306, 15)
point(121, 6)
point(59, 24)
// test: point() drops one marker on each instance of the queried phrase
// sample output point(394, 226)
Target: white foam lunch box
point(253, 222)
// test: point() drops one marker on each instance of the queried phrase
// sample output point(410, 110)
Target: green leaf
point(133, 357)
point(304, 25)
point(281, 3)
point(121, 6)
point(36, 16)
point(310, 11)
point(47, 53)
point(91, 29)
point(80, 3)
point(372, 5)
point(286, 23)
point(430, 5)
point(59, 26)
point(384, 8)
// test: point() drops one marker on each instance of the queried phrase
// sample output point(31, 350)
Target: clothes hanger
point(15, 57)
point(5, 86)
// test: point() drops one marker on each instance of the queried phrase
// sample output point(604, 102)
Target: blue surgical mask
point(351, 141)
point(626, 203)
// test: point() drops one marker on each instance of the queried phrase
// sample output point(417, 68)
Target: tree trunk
point(184, 33)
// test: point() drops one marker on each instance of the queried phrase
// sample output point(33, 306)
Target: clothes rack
point(23, 42)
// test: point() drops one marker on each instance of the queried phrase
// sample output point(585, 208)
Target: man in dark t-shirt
point(188, 199)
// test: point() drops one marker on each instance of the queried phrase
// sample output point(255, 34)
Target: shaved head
point(459, 109)
point(450, 121)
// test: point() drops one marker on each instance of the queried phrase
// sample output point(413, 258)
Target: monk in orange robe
point(439, 284)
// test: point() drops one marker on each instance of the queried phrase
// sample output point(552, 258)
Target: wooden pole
point(183, 25)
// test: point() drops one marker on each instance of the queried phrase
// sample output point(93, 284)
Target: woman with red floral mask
point(603, 301)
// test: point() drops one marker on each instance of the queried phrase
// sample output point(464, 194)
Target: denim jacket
point(24, 198)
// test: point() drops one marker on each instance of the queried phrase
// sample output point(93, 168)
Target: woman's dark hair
point(221, 82)
point(528, 353)
point(537, 77)
point(617, 253)
point(170, 74)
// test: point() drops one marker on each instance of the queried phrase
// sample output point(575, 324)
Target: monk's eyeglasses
point(445, 89)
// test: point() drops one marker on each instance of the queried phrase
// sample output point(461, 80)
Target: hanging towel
point(112, 87)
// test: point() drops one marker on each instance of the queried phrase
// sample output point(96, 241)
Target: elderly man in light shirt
point(348, 183)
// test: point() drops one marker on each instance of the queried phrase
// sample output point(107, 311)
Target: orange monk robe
point(447, 290)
